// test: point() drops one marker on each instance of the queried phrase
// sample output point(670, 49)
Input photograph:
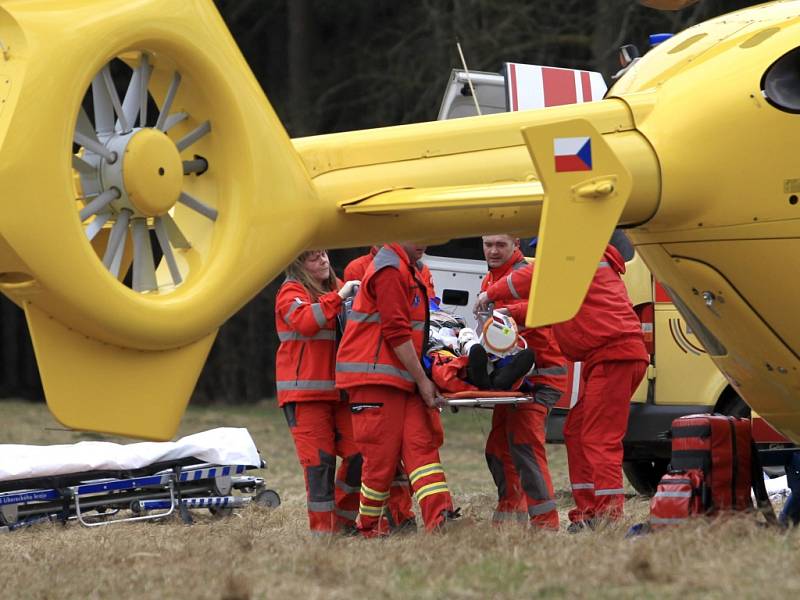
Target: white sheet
point(224, 445)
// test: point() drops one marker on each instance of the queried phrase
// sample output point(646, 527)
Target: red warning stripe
point(559, 86)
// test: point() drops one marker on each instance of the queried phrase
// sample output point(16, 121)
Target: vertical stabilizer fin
point(98, 387)
point(586, 188)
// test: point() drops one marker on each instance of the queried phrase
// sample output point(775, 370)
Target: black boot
point(477, 368)
point(505, 377)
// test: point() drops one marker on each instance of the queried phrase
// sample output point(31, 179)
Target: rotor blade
point(197, 205)
point(163, 241)
point(112, 93)
point(173, 89)
point(116, 239)
point(144, 80)
point(84, 125)
point(95, 147)
point(198, 165)
point(116, 263)
point(176, 237)
point(84, 167)
point(173, 120)
point(103, 110)
point(144, 272)
point(194, 135)
point(99, 203)
point(93, 228)
point(130, 105)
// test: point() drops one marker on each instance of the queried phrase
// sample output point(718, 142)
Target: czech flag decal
point(573, 154)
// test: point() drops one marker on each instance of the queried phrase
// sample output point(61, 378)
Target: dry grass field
point(268, 554)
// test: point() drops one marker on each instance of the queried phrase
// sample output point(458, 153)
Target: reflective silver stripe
point(509, 516)
point(295, 305)
point(666, 521)
point(364, 317)
point(550, 371)
point(347, 514)
point(603, 263)
point(647, 327)
point(386, 257)
point(373, 368)
point(347, 489)
point(324, 334)
point(666, 494)
point(417, 325)
point(613, 492)
point(582, 486)
point(512, 289)
point(319, 316)
point(306, 384)
point(540, 509)
point(320, 506)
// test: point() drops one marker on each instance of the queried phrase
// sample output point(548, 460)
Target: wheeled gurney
point(99, 483)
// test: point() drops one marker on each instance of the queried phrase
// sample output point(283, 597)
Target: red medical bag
point(679, 495)
point(721, 447)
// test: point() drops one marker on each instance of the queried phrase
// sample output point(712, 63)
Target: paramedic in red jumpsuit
point(606, 336)
point(306, 312)
point(515, 448)
point(399, 509)
point(391, 399)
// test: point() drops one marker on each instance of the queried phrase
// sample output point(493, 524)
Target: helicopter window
point(759, 37)
point(687, 42)
point(781, 82)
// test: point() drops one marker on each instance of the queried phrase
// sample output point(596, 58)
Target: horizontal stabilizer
point(94, 386)
point(404, 201)
point(586, 188)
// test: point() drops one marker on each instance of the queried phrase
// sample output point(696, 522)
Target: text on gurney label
point(29, 496)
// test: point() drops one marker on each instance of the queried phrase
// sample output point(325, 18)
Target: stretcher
point(100, 483)
point(484, 399)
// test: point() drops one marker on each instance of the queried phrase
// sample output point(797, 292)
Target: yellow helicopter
point(691, 150)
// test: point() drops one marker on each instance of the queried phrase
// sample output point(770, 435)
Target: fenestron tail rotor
point(131, 175)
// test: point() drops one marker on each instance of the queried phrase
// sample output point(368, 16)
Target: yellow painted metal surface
point(152, 172)
point(595, 198)
point(687, 151)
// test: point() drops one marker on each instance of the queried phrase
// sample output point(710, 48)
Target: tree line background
point(330, 66)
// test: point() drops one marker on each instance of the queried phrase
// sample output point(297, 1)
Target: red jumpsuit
point(399, 507)
point(390, 420)
point(317, 417)
point(515, 448)
point(606, 335)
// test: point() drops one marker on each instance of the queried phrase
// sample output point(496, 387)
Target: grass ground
point(259, 553)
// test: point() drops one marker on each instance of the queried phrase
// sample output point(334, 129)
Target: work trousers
point(593, 435)
point(515, 454)
point(391, 425)
point(322, 431)
point(399, 507)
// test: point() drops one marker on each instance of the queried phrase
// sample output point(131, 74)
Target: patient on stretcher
point(460, 360)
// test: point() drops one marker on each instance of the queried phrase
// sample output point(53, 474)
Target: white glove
point(467, 338)
point(349, 289)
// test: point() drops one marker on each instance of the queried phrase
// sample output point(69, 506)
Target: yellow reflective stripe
point(432, 488)
point(370, 511)
point(373, 495)
point(425, 470)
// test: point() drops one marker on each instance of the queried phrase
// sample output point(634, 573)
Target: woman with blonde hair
point(307, 310)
